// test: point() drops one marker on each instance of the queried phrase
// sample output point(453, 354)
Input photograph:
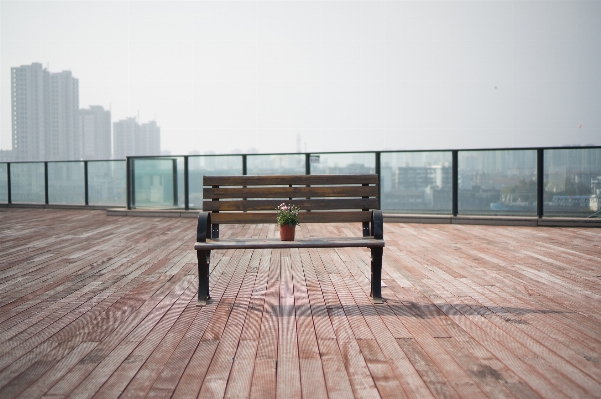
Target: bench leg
point(204, 261)
point(376, 274)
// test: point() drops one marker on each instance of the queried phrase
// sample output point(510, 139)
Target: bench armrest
point(203, 228)
point(377, 225)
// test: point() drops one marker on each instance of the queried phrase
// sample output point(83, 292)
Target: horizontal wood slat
point(290, 192)
point(304, 204)
point(269, 243)
point(304, 217)
point(288, 179)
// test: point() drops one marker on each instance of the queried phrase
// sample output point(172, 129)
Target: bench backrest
point(321, 198)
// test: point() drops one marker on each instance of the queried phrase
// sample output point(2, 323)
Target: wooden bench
point(321, 198)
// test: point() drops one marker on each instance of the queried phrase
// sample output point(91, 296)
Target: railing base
point(59, 206)
point(532, 221)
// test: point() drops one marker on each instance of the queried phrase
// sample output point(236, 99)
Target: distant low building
point(6, 155)
point(133, 139)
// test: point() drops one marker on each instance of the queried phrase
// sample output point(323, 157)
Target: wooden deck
point(97, 306)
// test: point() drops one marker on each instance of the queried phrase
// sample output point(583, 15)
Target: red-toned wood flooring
point(97, 306)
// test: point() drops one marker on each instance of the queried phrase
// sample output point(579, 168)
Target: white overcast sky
point(344, 75)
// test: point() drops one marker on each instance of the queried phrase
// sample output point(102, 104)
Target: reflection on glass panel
point(497, 182)
point(572, 182)
point(155, 183)
point(199, 166)
point(287, 164)
point(3, 182)
point(106, 183)
point(27, 182)
point(416, 182)
point(66, 183)
point(343, 164)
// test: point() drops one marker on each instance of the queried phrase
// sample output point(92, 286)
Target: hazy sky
point(345, 75)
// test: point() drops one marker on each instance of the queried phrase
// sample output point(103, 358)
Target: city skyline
point(48, 125)
point(345, 76)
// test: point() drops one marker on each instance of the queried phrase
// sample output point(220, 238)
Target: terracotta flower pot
point(287, 232)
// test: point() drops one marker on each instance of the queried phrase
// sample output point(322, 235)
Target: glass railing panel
point(27, 182)
point(66, 183)
point(3, 183)
point(343, 164)
point(107, 183)
point(416, 182)
point(497, 182)
point(572, 182)
point(155, 183)
point(209, 165)
point(284, 164)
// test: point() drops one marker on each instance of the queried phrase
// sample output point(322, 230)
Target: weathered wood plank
point(289, 179)
point(304, 217)
point(264, 383)
point(303, 204)
point(240, 291)
point(290, 192)
point(288, 382)
point(311, 368)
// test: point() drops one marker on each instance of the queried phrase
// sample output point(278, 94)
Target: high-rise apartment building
point(123, 137)
point(28, 110)
point(95, 132)
point(131, 138)
point(62, 129)
point(45, 114)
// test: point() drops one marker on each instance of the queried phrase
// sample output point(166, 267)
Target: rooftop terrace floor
point(100, 306)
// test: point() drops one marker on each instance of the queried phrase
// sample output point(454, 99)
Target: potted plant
point(287, 220)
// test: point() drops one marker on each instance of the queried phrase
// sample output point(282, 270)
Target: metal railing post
point(85, 183)
point(8, 182)
point(307, 164)
point(174, 171)
point(128, 182)
point(133, 183)
point(244, 170)
point(540, 186)
point(186, 185)
point(455, 177)
point(378, 172)
point(46, 183)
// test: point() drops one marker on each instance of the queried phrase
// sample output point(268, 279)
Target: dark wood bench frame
point(322, 199)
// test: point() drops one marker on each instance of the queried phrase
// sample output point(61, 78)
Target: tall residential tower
point(45, 114)
point(29, 94)
point(95, 127)
point(62, 130)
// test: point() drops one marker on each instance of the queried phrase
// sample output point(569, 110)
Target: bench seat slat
point(289, 179)
point(304, 217)
point(289, 192)
point(270, 205)
point(275, 243)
